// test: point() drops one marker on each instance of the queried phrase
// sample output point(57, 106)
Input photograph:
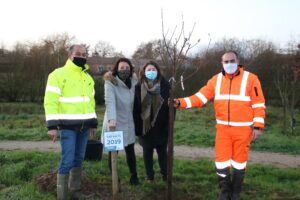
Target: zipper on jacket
point(83, 85)
point(255, 89)
point(229, 99)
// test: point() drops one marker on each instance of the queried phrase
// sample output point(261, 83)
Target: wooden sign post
point(113, 142)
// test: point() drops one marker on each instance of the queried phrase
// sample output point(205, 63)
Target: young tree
point(174, 54)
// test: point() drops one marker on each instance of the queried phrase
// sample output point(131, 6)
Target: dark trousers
point(130, 158)
point(162, 160)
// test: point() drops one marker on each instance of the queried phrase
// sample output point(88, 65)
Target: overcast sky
point(127, 23)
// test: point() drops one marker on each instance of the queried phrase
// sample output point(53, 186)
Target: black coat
point(158, 134)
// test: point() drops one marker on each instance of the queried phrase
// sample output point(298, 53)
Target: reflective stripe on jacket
point(69, 97)
point(238, 101)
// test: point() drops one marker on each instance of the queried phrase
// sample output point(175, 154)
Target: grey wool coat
point(119, 106)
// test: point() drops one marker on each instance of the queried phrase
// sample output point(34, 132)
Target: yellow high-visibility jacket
point(69, 98)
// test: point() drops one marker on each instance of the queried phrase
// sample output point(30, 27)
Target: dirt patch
point(47, 183)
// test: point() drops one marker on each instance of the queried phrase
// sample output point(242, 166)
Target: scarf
point(151, 103)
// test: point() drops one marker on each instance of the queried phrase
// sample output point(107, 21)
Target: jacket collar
point(70, 65)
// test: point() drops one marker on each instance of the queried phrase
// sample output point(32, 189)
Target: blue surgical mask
point(230, 68)
point(151, 75)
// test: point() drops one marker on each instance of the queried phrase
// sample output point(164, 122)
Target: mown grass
point(26, 121)
point(192, 179)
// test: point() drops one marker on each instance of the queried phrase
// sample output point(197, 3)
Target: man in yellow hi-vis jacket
point(70, 109)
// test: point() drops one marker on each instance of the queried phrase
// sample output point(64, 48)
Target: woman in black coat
point(151, 117)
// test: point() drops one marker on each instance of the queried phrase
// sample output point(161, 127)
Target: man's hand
point(53, 134)
point(175, 102)
point(256, 134)
point(112, 124)
point(93, 133)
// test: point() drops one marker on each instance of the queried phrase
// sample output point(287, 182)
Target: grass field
point(25, 121)
point(192, 179)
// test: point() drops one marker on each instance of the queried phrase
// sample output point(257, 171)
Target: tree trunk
point(170, 143)
point(284, 117)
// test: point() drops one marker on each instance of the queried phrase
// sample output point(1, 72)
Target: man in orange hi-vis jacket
point(240, 111)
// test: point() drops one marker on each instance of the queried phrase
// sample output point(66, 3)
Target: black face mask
point(80, 62)
point(124, 74)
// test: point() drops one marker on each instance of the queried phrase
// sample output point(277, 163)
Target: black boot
point(237, 181)
point(134, 180)
point(131, 162)
point(224, 183)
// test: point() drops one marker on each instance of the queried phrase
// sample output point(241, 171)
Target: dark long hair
point(115, 69)
point(142, 71)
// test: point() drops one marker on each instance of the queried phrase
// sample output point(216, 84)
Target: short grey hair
point(71, 48)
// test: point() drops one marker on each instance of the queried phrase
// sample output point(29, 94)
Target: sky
point(127, 23)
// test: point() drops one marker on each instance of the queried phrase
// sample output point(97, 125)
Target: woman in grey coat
point(119, 96)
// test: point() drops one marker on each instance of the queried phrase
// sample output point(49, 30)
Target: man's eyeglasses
point(80, 54)
point(229, 61)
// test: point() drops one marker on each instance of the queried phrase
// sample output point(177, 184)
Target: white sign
point(113, 141)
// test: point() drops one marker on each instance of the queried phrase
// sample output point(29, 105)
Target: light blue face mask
point(230, 68)
point(151, 75)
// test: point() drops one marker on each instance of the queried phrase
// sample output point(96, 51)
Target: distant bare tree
point(150, 50)
point(104, 49)
point(282, 83)
point(43, 57)
point(30, 63)
point(295, 87)
point(286, 82)
point(57, 46)
point(11, 80)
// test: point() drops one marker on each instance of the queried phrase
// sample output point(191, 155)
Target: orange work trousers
point(232, 145)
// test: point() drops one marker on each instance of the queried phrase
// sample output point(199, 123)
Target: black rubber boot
point(237, 181)
point(224, 183)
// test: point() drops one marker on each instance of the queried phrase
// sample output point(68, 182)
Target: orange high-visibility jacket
point(238, 101)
